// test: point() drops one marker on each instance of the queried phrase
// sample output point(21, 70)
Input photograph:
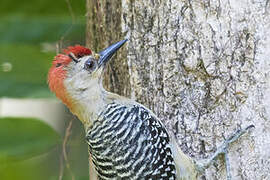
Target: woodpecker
point(126, 140)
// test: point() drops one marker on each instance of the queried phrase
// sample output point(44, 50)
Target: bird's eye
point(89, 65)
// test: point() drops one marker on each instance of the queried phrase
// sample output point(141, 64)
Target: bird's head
point(78, 70)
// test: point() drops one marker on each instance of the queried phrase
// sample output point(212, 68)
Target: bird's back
point(127, 142)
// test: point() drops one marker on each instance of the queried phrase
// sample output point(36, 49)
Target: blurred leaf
point(29, 33)
point(31, 169)
point(27, 47)
point(23, 74)
point(41, 7)
point(22, 138)
point(37, 30)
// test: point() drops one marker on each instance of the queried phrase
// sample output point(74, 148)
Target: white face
point(82, 75)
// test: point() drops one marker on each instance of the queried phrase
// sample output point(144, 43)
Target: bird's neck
point(87, 100)
point(88, 103)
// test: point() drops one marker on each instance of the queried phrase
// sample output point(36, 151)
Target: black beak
point(107, 53)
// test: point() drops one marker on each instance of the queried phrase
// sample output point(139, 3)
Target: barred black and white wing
point(129, 143)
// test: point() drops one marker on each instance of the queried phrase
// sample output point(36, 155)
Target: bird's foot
point(223, 150)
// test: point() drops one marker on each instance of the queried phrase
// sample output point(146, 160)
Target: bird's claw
point(223, 149)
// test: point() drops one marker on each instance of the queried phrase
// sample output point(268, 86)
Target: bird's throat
point(86, 104)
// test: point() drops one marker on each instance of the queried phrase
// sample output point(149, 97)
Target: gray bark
point(203, 67)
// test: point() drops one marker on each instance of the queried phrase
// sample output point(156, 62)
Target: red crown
point(78, 51)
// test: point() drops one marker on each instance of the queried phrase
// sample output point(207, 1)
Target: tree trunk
point(201, 66)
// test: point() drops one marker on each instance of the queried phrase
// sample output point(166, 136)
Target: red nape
point(78, 51)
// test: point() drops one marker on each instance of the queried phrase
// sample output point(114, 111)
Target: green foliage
point(41, 7)
point(29, 32)
point(22, 138)
point(38, 30)
point(30, 169)
point(29, 151)
point(27, 76)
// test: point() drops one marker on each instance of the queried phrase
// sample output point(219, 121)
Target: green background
point(29, 32)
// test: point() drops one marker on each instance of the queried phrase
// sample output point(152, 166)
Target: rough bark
point(201, 66)
point(104, 28)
